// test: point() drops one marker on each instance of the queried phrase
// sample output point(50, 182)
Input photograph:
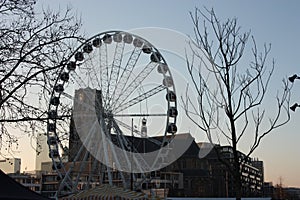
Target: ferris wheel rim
point(60, 161)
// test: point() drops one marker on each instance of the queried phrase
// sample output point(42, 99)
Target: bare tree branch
point(232, 91)
point(34, 45)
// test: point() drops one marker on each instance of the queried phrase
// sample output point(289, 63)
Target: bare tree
point(230, 95)
point(33, 47)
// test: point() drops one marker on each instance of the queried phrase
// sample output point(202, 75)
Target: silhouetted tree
point(230, 95)
point(33, 45)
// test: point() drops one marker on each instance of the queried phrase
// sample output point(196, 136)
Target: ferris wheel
point(114, 92)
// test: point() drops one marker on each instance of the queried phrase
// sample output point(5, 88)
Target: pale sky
point(275, 22)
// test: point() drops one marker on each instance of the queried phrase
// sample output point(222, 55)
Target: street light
point(293, 107)
point(292, 78)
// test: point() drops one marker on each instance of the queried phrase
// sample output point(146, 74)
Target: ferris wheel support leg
point(67, 176)
point(105, 147)
point(82, 168)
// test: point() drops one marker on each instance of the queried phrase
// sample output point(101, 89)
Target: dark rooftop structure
point(10, 189)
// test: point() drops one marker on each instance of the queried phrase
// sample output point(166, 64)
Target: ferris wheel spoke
point(139, 161)
point(93, 172)
point(67, 180)
point(106, 158)
point(139, 98)
point(82, 155)
point(134, 84)
point(105, 146)
point(126, 73)
point(99, 64)
point(67, 95)
point(124, 145)
point(86, 141)
point(130, 128)
point(82, 165)
point(121, 139)
point(78, 80)
point(104, 71)
point(92, 74)
point(115, 70)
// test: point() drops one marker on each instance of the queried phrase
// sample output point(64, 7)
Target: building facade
point(10, 165)
point(223, 181)
point(192, 176)
point(209, 177)
point(49, 184)
point(189, 176)
point(31, 181)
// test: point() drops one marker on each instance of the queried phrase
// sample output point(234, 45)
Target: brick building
point(208, 177)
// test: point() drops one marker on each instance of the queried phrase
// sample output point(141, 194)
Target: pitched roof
point(10, 189)
point(106, 191)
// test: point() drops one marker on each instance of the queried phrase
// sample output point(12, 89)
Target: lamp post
point(292, 79)
point(131, 173)
point(293, 107)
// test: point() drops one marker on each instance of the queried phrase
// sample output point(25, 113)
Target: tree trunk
point(237, 182)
